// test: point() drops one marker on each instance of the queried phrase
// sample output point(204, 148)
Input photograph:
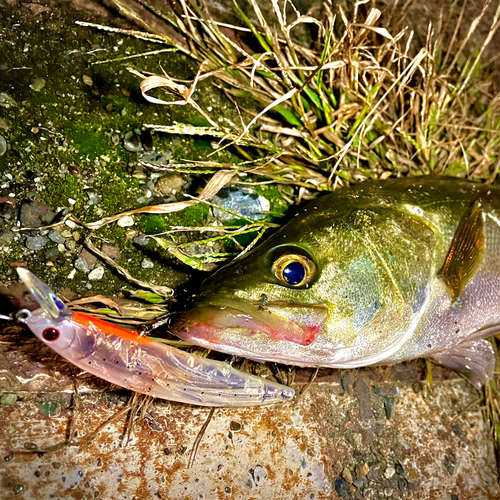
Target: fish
point(139, 363)
point(373, 274)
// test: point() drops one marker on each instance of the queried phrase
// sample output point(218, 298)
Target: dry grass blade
point(97, 298)
point(164, 291)
point(218, 181)
point(165, 82)
point(199, 437)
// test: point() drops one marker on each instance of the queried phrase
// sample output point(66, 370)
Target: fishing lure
point(139, 363)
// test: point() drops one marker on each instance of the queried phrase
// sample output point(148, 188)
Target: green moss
point(154, 224)
point(57, 193)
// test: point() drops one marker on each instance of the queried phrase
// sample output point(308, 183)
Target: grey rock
point(90, 258)
point(132, 142)
point(36, 242)
point(34, 213)
point(170, 183)
point(242, 201)
point(147, 264)
point(70, 244)
point(56, 237)
point(141, 240)
point(6, 238)
point(81, 265)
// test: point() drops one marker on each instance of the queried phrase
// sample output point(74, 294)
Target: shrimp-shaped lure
point(138, 363)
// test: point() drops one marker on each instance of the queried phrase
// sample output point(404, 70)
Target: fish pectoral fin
point(466, 250)
point(474, 358)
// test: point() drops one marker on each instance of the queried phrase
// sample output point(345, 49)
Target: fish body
point(377, 273)
point(139, 363)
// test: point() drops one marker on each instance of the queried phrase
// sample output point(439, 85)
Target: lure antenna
point(51, 304)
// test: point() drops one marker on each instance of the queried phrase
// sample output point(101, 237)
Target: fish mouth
point(278, 331)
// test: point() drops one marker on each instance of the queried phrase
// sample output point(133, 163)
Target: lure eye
point(50, 334)
point(294, 270)
point(58, 303)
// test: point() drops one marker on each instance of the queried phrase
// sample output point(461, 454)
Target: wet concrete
point(354, 437)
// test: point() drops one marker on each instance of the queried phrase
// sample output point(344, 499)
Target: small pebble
point(18, 488)
point(147, 264)
point(87, 80)
point(81, 265)
point(341, 486)
point(91, 259)
point(56, 237)
point(169, 184)
point(389, 407)
point(38, 84)
point(400, 470)
point(385, 451)
point(132, 142)
point(235, 426)
point(96, 274)
point(346, 474)
point(126, 221)
point(389, 472)
point(362, 470)
point(8, 399)
point(33, 213)
point(111, 251)
point(139, 174)
point(6, 238)
point(70, 245)
point(141, 240)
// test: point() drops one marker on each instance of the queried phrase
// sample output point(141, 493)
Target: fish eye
point(50, 334)
point(294, 270)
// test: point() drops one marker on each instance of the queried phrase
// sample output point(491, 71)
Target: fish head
point(318, 292)
point(51, 322)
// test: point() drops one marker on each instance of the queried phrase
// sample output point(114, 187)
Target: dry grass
point(360, 102)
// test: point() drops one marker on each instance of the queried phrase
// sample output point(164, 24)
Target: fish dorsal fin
point(466, 250)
